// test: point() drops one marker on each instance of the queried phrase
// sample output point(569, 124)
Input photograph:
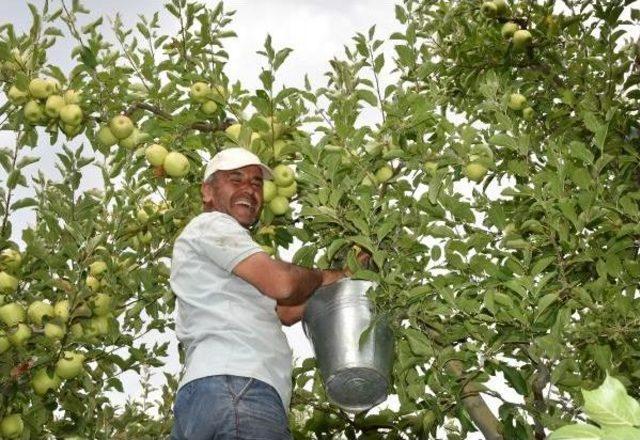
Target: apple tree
point(496, 193)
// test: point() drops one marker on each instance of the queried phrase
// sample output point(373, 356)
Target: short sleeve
point(221, 239)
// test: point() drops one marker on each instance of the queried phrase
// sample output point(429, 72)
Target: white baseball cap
point(234, 158)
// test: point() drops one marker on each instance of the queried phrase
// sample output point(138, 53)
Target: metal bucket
point(356, 377)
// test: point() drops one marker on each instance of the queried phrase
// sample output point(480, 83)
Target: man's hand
point(331, 276)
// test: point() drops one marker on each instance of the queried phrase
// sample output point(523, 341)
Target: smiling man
point(232, 301)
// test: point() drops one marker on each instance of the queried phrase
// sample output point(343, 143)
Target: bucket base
point(356, 389)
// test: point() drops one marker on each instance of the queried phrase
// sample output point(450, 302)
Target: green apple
point(490, 9)
point(475, 171)
point(41, 88)
point(70, 365)
point(77, 331)
point(508, 29)
point(145, 238)
point(130, 142)
point(521, 39)
point(369, 181)
point(97, 268)
point(176, 164)
point(528, 113)
point(278, 145)
point(33, 112)
point(275, 128)
point(20, 335)
point(105, 137)
point(288, 191)
point(502, 7)
point(269, 191)
point(200, 91)
point(283, 175)
point(142, 216)
point(72, 96)
point(54, 331)
point(55, 85)
point(121, 126)
point(93, 283)
point(233, 131)
point(61, 310)
point(219, 93)
point(71, 114)
point(54, 105)
point(8, 283)
point(254, 141)
point(430, 167)
point(38, 310)
point(279, 205)
point(517, 101)
point(11, 258)
point(98, 325)
point(12, 426)
point(384, 173)
point(17, 96)
point(373, 148)
point(12, 314)
point(43, 382)
point(209, 107)
point(4, 342)
point(71, 130)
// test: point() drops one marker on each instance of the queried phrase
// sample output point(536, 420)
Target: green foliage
point(528, 273)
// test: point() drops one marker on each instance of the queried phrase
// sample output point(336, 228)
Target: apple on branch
point(41, 88)
point(269, 191)
point(17, 96)
point(71, 114)
point(517, 101)
point(176, 164)
point(8, 283)
point(283, 175)
point(20, 335)
point(12, 314)
point(521, 39)
point(12, 426)
point(70, 365)
point(279, 205)
point(121, 126)
point(33, 112)
point(105, 137)
point(37, 310)
point(199, 91)
point(42, 381)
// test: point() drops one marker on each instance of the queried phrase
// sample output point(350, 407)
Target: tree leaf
point(577, 432)
point(610, 405)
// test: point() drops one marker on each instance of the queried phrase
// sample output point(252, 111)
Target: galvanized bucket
point(356, 377)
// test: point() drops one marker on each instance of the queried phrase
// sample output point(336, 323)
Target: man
point(232, 300)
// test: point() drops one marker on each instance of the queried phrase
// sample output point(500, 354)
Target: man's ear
point(207, 193)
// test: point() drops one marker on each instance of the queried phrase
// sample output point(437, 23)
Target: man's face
point(237, 193)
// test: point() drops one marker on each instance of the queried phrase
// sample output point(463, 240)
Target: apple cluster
point(43, 103)
point(518, 102)
point(207, 96)
point(480, 160)
point(122, 131)
point(173, 163)
point(520, 38)
point(278, 192)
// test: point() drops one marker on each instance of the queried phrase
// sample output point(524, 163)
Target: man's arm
point(287, 283)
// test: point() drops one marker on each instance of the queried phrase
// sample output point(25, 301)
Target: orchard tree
point(497, 195)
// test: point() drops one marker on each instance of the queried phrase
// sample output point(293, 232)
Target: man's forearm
point(304, 282)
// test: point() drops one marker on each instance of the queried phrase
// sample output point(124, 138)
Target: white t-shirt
point(227, 326)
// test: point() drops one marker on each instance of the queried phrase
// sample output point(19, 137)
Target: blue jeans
point(228, 407)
